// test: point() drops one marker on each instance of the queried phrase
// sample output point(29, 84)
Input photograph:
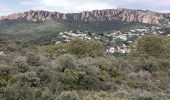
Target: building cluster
point(68, 36)
point(119, 49)
point(117, 41)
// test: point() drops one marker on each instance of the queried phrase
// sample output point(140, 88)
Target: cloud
point(154, 5)
point(76, 6)
point(82, 5)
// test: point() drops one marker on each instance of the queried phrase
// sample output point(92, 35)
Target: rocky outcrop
point(91, 16)
point(121, 15)
point(35, 16)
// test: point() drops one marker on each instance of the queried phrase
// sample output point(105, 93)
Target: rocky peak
point(126, 15)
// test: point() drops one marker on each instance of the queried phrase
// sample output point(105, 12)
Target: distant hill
point(126, 15)
point(33, 25)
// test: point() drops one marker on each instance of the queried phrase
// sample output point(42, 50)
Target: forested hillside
point(82, 70)
point(111, 54)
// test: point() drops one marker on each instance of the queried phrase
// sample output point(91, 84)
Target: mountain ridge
point(124, 15)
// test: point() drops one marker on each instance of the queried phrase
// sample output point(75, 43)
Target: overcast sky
point(13, 6)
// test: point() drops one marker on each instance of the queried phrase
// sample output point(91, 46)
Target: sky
point(73, 6)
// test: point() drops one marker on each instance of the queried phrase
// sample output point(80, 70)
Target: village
point(116, 41)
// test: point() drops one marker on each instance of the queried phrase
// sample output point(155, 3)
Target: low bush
point(68, 95)
point(33, 60)
point(65, 61)
point(86, 48)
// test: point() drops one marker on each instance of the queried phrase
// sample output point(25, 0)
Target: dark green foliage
point(54, 72)
point(22, 67)
point(25, 92)
point(152, 64)
point(80, 80)
point(83, 48)
point(4, 76)
point(156, 46)
point(4, 71)
point(33, 60)
point(65, 61)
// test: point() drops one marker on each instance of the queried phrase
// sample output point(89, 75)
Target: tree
point(156, 46)
point(83, 48)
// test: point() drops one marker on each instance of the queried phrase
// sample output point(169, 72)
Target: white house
point(123, 37)
point(123, 49)
point(111, 50)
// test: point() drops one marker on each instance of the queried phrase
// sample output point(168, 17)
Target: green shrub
point(33, 60)
point(103, 63)
point(68, 95)
point(3, 82)
point(24, 92)
point(4, 71)
point(22, 67)
point(4, 76)
point(28, 78)
point(150, 63)
point(156, 46)
point(83, 48)
point(165, 63)
point(103, 75)
point(80, 80)
point(54, 48)
point(65, 61)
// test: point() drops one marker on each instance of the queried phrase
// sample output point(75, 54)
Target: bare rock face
point(35, 16)
point(92, 16)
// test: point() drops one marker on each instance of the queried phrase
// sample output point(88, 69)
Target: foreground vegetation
point(81, 70)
